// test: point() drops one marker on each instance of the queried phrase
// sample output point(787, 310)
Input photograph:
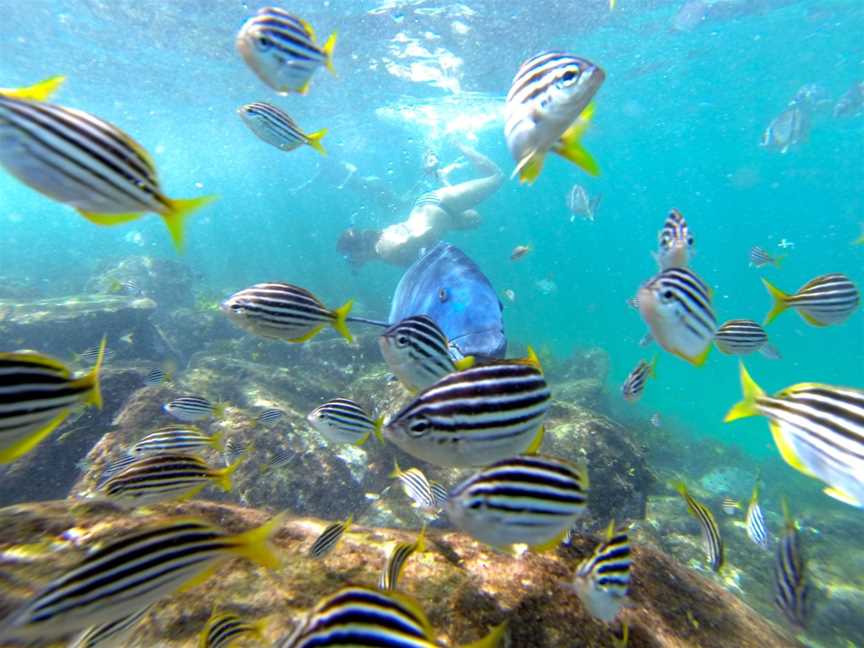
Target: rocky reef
point(464, 587)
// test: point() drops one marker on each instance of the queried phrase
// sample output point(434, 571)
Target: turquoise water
point(677, 124)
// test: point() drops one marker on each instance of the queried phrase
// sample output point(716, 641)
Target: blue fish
point(470, 314)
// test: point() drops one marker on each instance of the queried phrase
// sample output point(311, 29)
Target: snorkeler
point(434, 213)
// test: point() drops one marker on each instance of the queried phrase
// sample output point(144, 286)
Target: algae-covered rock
point(464, 587)
point(167, 281)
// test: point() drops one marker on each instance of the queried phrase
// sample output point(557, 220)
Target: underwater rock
point(464, 587)
point(167, 281)
point(51, 469)
point(67, 325)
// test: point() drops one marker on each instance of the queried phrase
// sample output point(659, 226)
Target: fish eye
point(401, 340)
point(570, 77)
point(418, 428)
point(690, 241)
point(667, 295)
point(263, 42)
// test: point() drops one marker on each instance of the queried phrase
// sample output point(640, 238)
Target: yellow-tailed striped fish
point(818, 429)
point(223, 630)
point(792, 592)
point(676, 306)
point(172, 438)
point(675, 242)
point(730, 505)
point(285, 312)
point(191, 409)
point(548, 108)
point(85, 162)
point(276, 127)
point(132, 572)
point(473, 417)
point(416, 486)
point(341, 420)
point(164, 477)
point(602, 580)
point(282, 51)
point(711, 539)
point(754, 521)
point(530, 499)
point(759, 258)
point(743, 337)
point(419, 353)
point(634, 385)
point(823, 301)
point(37, 393)
point(361, 616)
point(399, 555)
point(279, 459)
point(329, 538)
point(110, 635)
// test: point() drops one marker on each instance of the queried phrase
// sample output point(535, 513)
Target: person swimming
point(435, 212)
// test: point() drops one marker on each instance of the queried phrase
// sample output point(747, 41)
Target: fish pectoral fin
point(842, 496)
point(534, 448)
point(812, 321)
point(787, 451)
point(308, 336)
point(109, 220)
point(529, 167)
point(26, 444)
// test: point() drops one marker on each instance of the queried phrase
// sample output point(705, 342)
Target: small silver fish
point(580, 204)
point(788, 129)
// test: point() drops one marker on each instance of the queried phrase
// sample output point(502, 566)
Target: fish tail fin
point(534, 448)
point(778, 260)
point(219, 410)
point(491, 640)
point(91, 380)
point(339, 324)
point(747, 406)
point(179, 210)
point(379, 424)
point(38, 91)
point(464, 363)
point(396, 470)
point(531, 358)
point(570, 145)
point(26, 444)
point(347, 523)
point(652, 368)
point(255, 544)
point(780, 301)
point(222, 477)
point(421, 540)
point(681, 487)
point(315, 140)
point(328, 48)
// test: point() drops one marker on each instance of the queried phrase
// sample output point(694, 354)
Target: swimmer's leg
point(467, 195)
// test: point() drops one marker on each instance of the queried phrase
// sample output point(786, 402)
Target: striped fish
point(792, 592)
point(234, 449)
point(760, 258)
point(818, 429)
point(191, 409)
point(133, 572)
point(281, 458)
point(676, 306)
point(107, 635)
point(164, 477)
point(82, 161)
point(418, 352)
point(754, 521)
point(730, 506)
point(476, 416)
point(285, 312)
point(269, 416)
point(223, 630)
point(439, 495)
point(361, 616)
point(282, 51)
point(548, 108)
point(742, 337)
point(828, 299)
point(675, 243)
point(531, 499)
point(416, 486)
point(37, 393)
point(113, 467)
point(633, 387)
point(603, 579)
point(329, 538)
point(175, 439)
point(91, 355)
point(341, 420)
point(401, 552)
point(711, 539)
point(156, 376)
point(276, 127)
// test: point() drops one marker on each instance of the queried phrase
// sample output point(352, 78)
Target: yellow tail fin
point(570, 145)
point(36, 92)
point(328, 52)
point(222, 477)
point(339, 324)
point(780, 302)
point(180, 210)
point(491, 640)
point(91, 380)
point(534, 448)
point(219, 410)
point(681, 487)
point(396, 470)
point(379, 424)
point(652, 368)
point(215, 441)
point(464, 363)
point(255, 544)
point(747, 407)
point(315, 140)
point(25, 445)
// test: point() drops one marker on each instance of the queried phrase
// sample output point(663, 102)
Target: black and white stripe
point(634, 385)
point(417, 351)
point(754, 521)
point(534, 80)
point(603, 579)
point(711, 538)
point(269, 416)
point(402, 551)
point(740, 337)
point(674, 232)
point(273, 125)
point(174, 439)
point(281, 458)
point(329, 538)
point(108, 635)
point(475, 416)
point(223, 630)
point(190, 409)
point(155, 376)
point(760, 258)
point(416, 486)
point(440, 495)
point(341, 420)
point(792, 591)
point(827, 299)
point(525, 499)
